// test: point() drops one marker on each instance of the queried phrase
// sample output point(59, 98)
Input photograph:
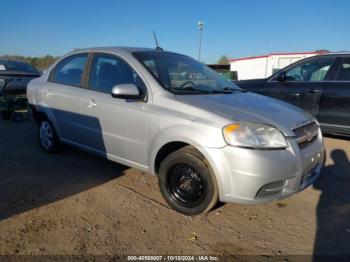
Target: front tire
point(47, 135)
point(187, 182)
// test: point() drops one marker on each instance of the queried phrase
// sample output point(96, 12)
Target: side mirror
point(127, 91)
point(281, 77)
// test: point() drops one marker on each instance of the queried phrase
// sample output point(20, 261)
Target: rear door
point(62, 96)
point(302, 83)
point(334, 113)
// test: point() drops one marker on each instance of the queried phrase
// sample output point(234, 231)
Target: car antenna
point(156, 40)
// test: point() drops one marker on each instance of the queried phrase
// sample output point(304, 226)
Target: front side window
point(70, 70)
point(183, 75)
point(315, 70)
point(344, 71)
point(108, 71)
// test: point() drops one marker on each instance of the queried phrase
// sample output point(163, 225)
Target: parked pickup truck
point(167, 114)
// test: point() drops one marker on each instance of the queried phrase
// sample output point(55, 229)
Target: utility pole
point(200, 27)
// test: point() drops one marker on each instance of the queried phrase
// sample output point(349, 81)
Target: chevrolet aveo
point(167, 114)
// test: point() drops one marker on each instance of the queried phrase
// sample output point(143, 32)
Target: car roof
point(340, 53)
point(119, 49)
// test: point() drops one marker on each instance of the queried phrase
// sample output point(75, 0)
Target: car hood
point(250, 107)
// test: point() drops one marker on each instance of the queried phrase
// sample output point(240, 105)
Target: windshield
point(7, 65)
point(183, 75)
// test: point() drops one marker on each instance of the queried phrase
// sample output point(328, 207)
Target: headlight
point(252, 135)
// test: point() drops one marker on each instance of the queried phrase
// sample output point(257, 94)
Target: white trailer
point(256, 67)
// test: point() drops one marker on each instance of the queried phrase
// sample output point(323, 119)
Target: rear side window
point(108, 71)
point(344, 71)
point(70, 70)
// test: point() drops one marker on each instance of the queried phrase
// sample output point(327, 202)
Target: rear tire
point(6, 115)
point(187, 182)
point(47, 135)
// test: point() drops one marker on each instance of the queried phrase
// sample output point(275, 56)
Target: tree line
point(40, 63)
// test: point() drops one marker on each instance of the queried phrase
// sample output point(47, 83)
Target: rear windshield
point(14, 66)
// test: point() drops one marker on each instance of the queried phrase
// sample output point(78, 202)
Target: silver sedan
point(167, 114)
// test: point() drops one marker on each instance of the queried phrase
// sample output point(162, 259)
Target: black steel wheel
point(187, 182)
point(185, 185)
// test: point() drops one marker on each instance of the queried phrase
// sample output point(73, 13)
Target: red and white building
point(264, 66)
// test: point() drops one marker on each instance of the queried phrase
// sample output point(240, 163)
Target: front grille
point(307, 133)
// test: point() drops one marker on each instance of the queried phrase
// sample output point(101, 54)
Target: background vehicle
point(14, 77)
point(263, 66)
point(319, 85)
point(168, 114)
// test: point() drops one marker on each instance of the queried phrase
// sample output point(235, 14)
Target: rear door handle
point(312, 91)
point(92, 103)
point(48, 93)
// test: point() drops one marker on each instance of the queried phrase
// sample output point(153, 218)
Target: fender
point(197, 139)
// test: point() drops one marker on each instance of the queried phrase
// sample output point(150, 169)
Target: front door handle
point(312, 91)
point(92, 103)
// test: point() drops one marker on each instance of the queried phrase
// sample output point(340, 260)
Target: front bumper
point(260, 176)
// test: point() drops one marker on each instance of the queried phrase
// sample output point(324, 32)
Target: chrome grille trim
point(306, 133)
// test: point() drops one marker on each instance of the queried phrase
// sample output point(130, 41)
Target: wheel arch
point(38, 113)
point(212, 155)
point(166, 150)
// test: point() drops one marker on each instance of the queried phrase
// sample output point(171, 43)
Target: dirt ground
point(76, 203)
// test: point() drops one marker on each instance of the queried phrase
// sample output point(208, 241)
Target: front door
point(302, 95)
point(302, 84)
point(118, 128)
point(334, 113)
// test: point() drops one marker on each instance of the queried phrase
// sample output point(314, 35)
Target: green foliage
point(322, 50)
point(223, 60)
point(40, 63)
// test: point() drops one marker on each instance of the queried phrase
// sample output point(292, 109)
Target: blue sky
point(233, 27)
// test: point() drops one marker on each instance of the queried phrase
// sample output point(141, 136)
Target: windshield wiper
point(222, 91)
point(233, 89)
point(225, 90)
point(190, 89)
